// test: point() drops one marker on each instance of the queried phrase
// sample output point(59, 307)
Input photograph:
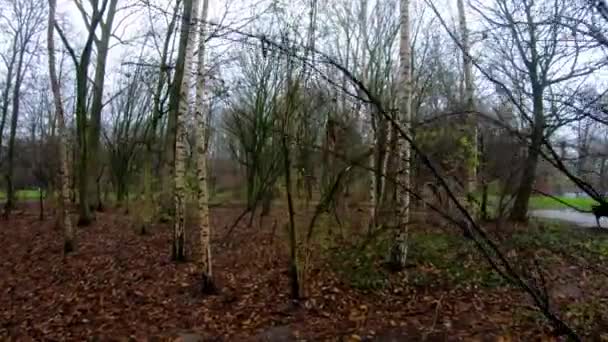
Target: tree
point(251, 120)
point(29, 21)
point(128, 112)
point(286, 131)
point(64, 220)
point(170, 138)
point(159, 108)
point(10, 69)
point(398, 255)
point(94, 129)
point(525, 44)
point(82, 63)
point(202, 131)
point(471, 159)
point(179, 107)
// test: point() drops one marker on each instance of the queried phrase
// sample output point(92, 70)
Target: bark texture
point(201, 111)
point(399, 251)
point(181, 104)
point(472, 149)
point(64, 191)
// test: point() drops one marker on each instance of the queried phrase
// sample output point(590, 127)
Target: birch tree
point(398, 255)
point(180, 106)
point(471, 143)
point(64, 191)
point(201, 112)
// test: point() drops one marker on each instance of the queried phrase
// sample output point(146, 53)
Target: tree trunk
point(484, 201)
point(373, 180)
point(201, 110)
point(399, 250)
point(471, 161)
point(384, 160)
point(85, 216)
point(149, 193)
point(180, 107)
point(7, 90)
point(121, 191)
point(41, 204)
point(293, 242)
point(68, 228)
point(82, 68)
point(10, 193)
point(528, 177)
point(483, 162)
point(97, 103)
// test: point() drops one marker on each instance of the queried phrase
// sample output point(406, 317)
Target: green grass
point(23, 195)
point(448, 260)
point(543, 202)
point(224, 196)
point(440, 260)
point(436, 259)
point(361, 269)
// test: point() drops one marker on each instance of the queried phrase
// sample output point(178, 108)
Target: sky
point(130, 25)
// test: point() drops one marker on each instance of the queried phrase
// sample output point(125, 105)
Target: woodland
point(304, 170)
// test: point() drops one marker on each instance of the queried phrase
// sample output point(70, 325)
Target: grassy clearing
point(543, 202)
point(23, 195)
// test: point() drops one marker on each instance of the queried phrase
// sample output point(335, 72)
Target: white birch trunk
point(384, 164)
point(373, 184)
point(180, 144)
point(201, 111)
point(64, 190)
point(399, 251)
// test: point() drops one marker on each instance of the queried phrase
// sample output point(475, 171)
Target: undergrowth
point(444, 260)
point(434, 260)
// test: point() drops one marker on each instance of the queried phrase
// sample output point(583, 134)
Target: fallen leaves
point(122, 285)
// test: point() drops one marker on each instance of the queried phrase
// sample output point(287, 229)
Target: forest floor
point(119, 285)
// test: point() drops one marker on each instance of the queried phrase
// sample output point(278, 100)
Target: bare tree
point(128, 112)
point(161, 93)
point(82, 63)
point(28, 23)
point(9, 62)
point(64, 215)
point(530, 55)
point(102, 45)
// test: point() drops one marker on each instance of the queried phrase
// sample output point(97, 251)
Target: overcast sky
point(131, 24)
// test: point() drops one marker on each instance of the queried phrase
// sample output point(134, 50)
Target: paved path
point(584, 220)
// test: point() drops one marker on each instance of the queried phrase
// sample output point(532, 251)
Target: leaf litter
point(122, 286)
